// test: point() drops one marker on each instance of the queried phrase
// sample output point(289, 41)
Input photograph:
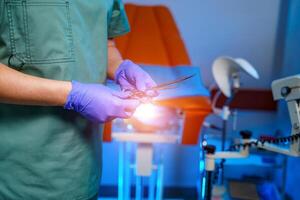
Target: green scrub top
point(48, 152)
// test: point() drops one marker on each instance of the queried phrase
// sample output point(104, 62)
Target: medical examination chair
point(154, 40)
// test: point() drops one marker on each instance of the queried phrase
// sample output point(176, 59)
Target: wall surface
point(291, 63)
point(211, 28)
point(291, 66)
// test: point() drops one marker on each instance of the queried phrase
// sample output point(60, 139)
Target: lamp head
point(226, 72)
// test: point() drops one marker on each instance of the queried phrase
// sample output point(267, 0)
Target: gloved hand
point(99, 103)
point(131, 77)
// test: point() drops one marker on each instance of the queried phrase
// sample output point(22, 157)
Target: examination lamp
point(226, 72)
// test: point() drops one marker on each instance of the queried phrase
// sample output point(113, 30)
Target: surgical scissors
point(164, 86)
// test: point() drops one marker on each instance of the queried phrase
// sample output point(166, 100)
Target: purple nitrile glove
point(99, 103)
point(131, 77)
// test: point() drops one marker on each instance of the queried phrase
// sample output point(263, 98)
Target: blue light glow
point(121, 174)
point(203, 187)
point(201, 166)
point(138, 188)
point(152, 186)
point(159, 182)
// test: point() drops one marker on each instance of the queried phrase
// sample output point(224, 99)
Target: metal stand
point(209, 168)
point(126, 170)
point(208, 187)
point(210, 158)
point(225, 116)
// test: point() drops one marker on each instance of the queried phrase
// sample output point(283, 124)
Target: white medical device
point(226, 72)
point(288, 89)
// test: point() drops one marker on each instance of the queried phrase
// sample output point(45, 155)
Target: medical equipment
point(226, 72)
point(149, 128)
point(287, 89)
point(164, 86)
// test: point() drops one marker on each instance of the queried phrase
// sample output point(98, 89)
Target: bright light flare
point(146, 112)
point(149, 117)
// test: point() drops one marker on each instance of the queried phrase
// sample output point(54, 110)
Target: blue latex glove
point(131, 78)
point(99, 103)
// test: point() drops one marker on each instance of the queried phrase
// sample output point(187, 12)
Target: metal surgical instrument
point(164, 86)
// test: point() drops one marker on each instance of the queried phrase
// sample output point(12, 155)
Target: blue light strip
point(159, 184)
point(202, 179)
point(138, 188)
point(201, 182)
point(152, 186)
point(127, 183)
point(201, 166)
point(120, 172)
point(203, 187)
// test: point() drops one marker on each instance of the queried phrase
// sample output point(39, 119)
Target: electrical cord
point(263, 140)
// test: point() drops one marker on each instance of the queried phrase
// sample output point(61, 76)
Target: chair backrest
point(154, 38)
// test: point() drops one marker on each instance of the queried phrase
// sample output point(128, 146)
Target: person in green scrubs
point(55, 56)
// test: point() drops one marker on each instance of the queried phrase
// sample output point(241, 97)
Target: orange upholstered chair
point(154, 37)
point(155, 40)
